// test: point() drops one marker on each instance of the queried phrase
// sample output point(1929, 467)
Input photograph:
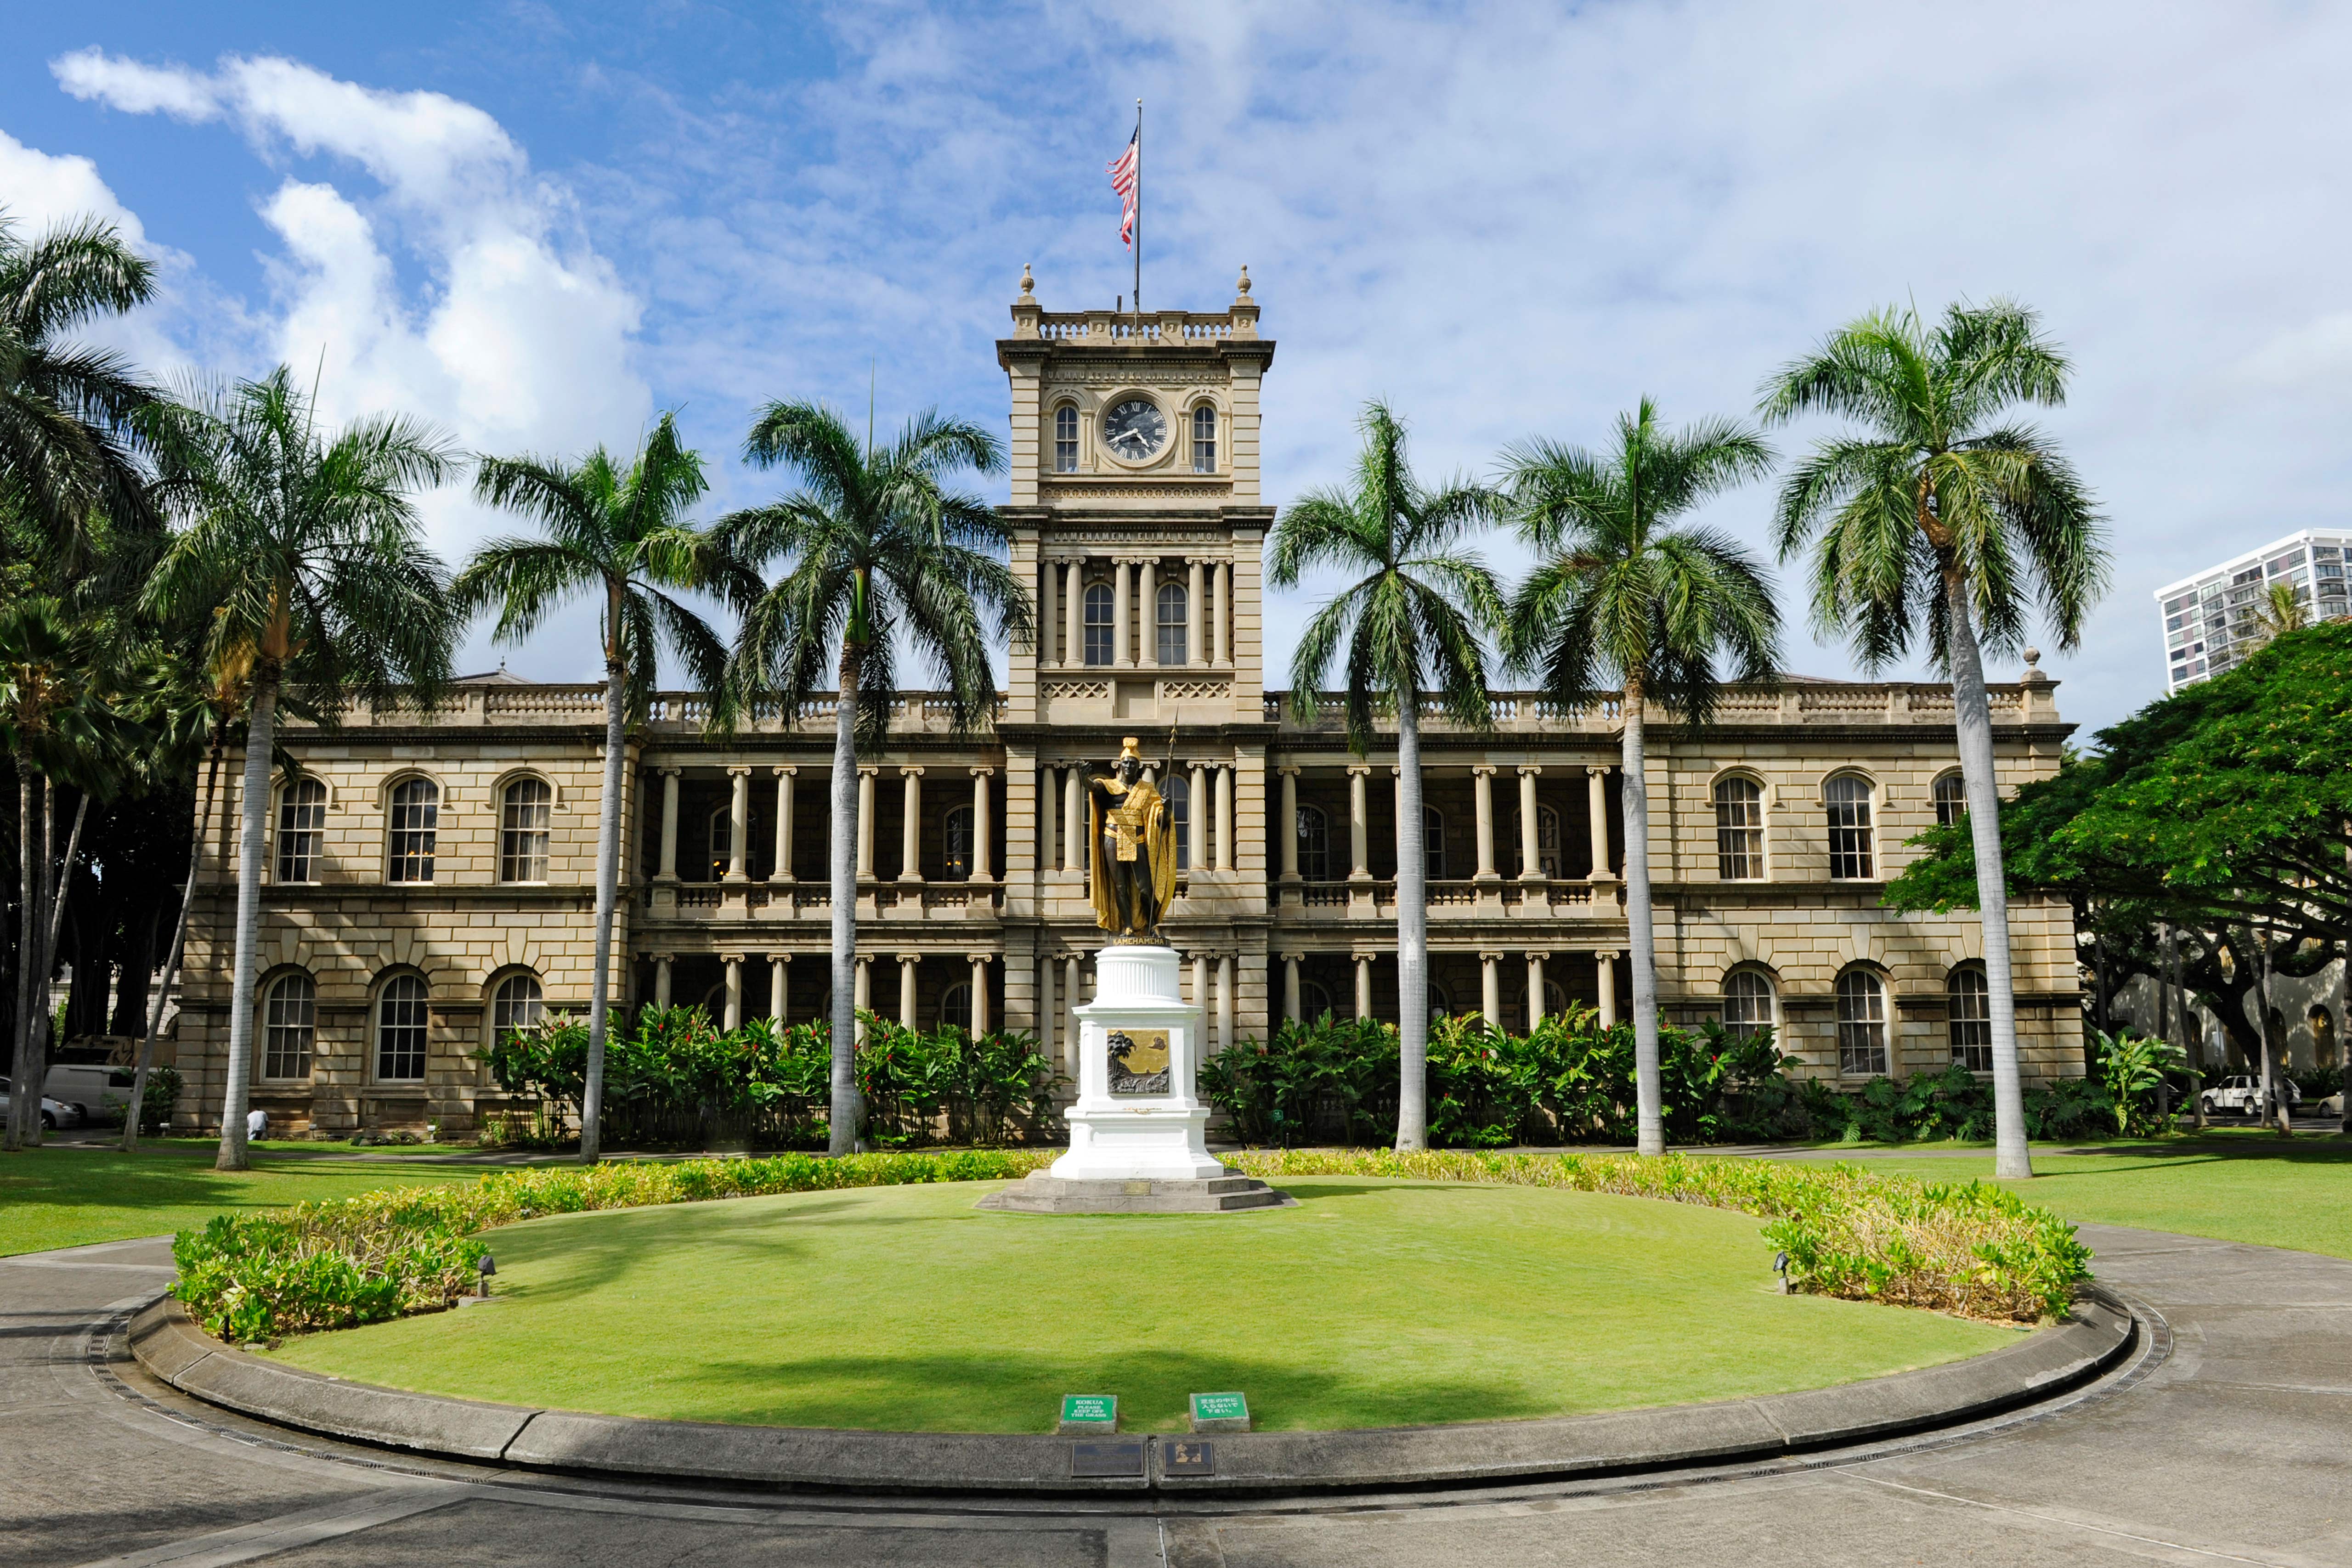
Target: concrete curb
point(1250, 1463)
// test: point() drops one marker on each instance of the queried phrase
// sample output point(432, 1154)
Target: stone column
point(1482, 780)
point(907, 974)
point(1221, 577)
point(979, 995)
point(1608, 967)
point(911, 835)
point(1196, 640)
point(784, 782)
point(1046, 1033)
point(669, 871)
point(779, 986)
point(733, 1007)
point(1225, 1003)
point(861, 992)
point(1074, 820)
point(1228, 858)
point(1049, 578)
point(1069, 1018)
point(1490, 988)
point(1122, 622)
point(1292, 997)
point(1196, 819)
point(661, 979)
point(1534, 989)
point(1531, 854)
point(1147, 612)
point(1073, 615)
point(1200, 997)
point(1289, 826)
point(739, 824)
point(1363, 986)
point(865, 823)
point(1360, 824)
point(981, 828)
point(1596, 795)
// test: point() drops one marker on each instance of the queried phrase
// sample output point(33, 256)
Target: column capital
point(1539, 957)
point(667, 771)
point(1489, 957)
point(907, 958)
point(1289, 769)
point(780, 957)
point(785, 769)
point(730, 959)
point(863, 959)
point(1600, 770)
point(1609, 954)
point(983, 772)
point(979, 958)
point(1363, 770)
point(660, 958)
point(1482, 770)
point(1529, 769)
point(739, 770)
point(869, 770)
point(910, 770)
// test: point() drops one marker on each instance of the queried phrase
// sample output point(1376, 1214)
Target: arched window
point(1313, 844)
point(523, 808)
point(1440, 1004)
point(1204, 440)
point(400, 1029)
point(1065, 440)
point(517, 1004)
point(1546, 840)
point(1851, 851)
point(1101, 637)
point(955, 842)
point(289, 1026)
point(1172, 624)
point(1748, 1008)
point(1738, 830)
point(414, 827)
point(955, 1007)
point(301, 831)
point(1968, 1011)
point(1862, 1024)
point(1952, 799)
point(722, 832)
point(1314, 1001)
point(1432, 843)
point(1179, 796)
point(1555, 1003)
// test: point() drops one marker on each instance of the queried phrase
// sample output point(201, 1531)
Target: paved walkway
point(2236, 1447)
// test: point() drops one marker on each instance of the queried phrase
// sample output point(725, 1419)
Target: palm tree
point(618, 534)
point(877, 554)
point(69, 412)
point(1413, 625)
point(1623, 591)
point(304, 553)
point(2280, 610)
point(1936, 520)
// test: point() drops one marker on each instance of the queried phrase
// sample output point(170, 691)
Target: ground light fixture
point(486, 1267)
point(1779, 1267)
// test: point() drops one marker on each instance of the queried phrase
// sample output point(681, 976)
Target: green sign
point(1220, 1407)
point(1090, 1408)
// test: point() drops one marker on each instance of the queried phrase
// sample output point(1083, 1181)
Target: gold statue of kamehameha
point(1132, 850)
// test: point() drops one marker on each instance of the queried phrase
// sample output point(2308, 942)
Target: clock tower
point(1136, 521)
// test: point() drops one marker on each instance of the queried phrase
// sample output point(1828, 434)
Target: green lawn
point(1371, 1303)
point(53, 1196)
point(2265, 1190)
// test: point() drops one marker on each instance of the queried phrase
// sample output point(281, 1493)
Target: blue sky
point(539, 225)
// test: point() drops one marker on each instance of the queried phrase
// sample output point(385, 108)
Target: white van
point(100, 1093)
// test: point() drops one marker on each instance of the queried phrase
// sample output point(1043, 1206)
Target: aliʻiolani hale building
point(431, 877)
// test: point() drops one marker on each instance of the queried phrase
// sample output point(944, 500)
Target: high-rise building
point(2213, 620)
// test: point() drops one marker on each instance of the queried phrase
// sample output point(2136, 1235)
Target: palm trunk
point(1641, 938)
point(179, 947)
point(1973, 715)
point(2274, 1070)
point(847, 1116)
point(28, 860)
point(608, 886)
point(56, 885)
point(1412, 935)
point(251, 845)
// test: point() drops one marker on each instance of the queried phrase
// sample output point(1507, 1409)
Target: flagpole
point(1139, 213)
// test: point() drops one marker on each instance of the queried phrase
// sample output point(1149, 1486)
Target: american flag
point(1124, 170)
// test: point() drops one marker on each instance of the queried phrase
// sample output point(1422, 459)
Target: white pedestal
point(1118, 1130)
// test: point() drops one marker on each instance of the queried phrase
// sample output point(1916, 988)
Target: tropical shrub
point(163, 1093)
point(2132, 1068)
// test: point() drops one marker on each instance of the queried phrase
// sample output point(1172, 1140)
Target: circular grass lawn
point(1371, 1303)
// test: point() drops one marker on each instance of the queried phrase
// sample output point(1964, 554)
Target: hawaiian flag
point(1125, 173)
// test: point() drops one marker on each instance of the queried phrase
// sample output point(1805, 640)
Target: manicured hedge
point(1966, 1248)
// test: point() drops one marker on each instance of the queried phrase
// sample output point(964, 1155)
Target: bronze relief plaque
point(1139, 1060)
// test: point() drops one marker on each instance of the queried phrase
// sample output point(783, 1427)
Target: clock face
point(1135, 429)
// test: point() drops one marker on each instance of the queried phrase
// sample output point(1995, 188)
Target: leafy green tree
point(618, 534)
point(302, 555)
point(1412, 625)
point(69, 412)
point(1934, 521)
point(1624, 593)
point(876, 557)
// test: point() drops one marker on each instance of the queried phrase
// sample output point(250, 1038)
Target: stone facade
point(1145, 560)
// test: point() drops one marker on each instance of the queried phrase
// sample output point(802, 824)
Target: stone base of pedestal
point(1229, 1194)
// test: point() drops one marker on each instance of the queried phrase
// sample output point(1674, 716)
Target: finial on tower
point(1028, 283)
point(1243, 284)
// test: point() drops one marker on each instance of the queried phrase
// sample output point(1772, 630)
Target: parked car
point(2243, 1094)
point(100, 1093)
point(55, 1114)
point(2333, 1105)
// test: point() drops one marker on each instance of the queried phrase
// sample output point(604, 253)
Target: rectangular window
point(1065, 440)
point(1970, 1004)
point(1204, 440)
point(301, 831)
point(1740, 830)
point(1101, 633)
point(1850, 836)
point(523, 831)
point(289, 1025)
point(414, 830)
point(400, 1033)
